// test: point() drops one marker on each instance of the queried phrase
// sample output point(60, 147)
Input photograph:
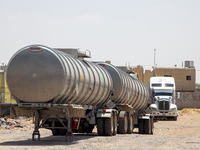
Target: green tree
point(197, 85)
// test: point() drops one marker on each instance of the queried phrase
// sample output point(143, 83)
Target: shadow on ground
point(50, 140)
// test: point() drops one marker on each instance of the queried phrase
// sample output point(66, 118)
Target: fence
point(188, 100)
point(6, 109)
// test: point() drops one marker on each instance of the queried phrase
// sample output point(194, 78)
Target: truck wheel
point(80, 129)
point(115, 123)
point(175, 118)
point(141, 126)
point(109, 125)
point(147, 126)
point(123, 124)
point(130, 123)
point(100, 126)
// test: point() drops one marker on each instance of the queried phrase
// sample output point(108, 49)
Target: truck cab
point(163, 97)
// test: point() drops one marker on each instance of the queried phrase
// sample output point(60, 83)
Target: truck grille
point(163, 105)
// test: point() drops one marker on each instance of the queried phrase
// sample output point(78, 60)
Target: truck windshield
point(156, 85)
point(163, 92)
point(169, 85)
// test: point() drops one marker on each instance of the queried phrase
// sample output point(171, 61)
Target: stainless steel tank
point(127, 89)
point(38, 73)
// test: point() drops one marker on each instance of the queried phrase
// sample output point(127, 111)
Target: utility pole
point(154, 58)
point(154, 62)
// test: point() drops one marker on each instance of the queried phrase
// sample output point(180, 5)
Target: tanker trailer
point(67, 93)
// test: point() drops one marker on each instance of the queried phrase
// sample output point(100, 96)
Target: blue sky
point(116, 30)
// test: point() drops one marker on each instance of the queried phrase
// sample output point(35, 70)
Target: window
point(156, 85)
point(163, 92)
point(169, 85)
point(188, 77)
point(167, 75)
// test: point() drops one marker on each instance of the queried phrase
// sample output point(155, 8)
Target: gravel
point(181, 134)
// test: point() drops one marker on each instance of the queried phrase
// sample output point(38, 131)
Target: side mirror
point(178, 95)
point(153, 93)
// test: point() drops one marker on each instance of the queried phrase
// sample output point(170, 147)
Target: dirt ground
point(181, 134)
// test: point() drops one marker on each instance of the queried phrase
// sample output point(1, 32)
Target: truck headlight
point(173, 109)
point(153, 109)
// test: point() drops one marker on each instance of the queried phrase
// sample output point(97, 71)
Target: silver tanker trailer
point(68, 94)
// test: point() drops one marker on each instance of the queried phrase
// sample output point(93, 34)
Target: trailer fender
point(121, 115)
point(104, 113)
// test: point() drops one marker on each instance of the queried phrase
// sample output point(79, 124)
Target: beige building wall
point(148, 74)
point(140, 72)
point(184, 77)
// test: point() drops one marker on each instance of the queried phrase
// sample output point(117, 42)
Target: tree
point(197, 85)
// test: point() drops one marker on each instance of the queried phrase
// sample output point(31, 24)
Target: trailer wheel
point(152, 125)
point(147, 126)
point(123, 124)
point(69, 136)
point(141, 126)
point(90, 129)
point(109, 125)
point(100, 126)
point(130, 123)
point(115, 123)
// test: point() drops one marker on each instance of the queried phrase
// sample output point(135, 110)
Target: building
point(5, 96)
point(184, 76)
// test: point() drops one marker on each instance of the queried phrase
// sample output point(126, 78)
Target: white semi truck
point(163, 97)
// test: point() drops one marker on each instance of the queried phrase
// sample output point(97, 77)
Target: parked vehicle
point(163, 96)
point(69, 94)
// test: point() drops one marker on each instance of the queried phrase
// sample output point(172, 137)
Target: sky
point(124, 32)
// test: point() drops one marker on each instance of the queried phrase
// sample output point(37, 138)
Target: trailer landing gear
point(62, 127)
point(69, 136)
point(36, 131)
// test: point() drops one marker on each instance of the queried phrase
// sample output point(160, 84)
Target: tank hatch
point(75, 52)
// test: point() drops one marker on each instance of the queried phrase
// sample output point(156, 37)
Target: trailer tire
point(81, 129)
point(115, 123)
point(152, 125)
point(109, 125)
point(123, 124)
point(141, 126)
point(100, 126)
point(147, 126)
point(130, 123)
point(90, 129)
